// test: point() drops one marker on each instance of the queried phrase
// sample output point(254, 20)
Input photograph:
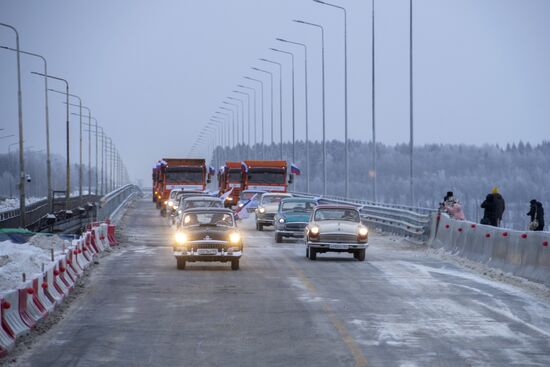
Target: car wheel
point(312, 254)
point(278, 237)
point(360, 255)
point(260, 227)
point(163, 212)
point(181, 264)
point(307, 251)
point(235, 264)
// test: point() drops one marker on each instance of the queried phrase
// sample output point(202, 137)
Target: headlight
point(229, 198)
point(241, 205)
point(181, 238)
point(179, 211)
point(261, 210)
point(314, 231)
point(235, 237)
point(175, 207)
point(165, 202)
point(282, 220)
point(170, 203)
point(187, 219)
point(363, 231)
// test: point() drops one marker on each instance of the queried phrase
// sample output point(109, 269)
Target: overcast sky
point(153, 72)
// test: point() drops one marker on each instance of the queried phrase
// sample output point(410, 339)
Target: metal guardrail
point(110, 203)
point(415, 223)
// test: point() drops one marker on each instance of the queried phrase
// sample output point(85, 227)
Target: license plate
point(207, 251)
point(339, 247)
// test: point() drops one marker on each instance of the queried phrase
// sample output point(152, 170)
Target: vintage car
point(267, 208)
point(208, 234)
point(336, 228)
point(192, 202)
point(292, 217)
point(251, 198)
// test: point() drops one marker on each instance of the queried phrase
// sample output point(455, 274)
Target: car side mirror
point(291, 178)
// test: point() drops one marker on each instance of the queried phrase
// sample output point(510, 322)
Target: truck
point(156, 176)
point(181, 174)
point(230, 177)
point(268, 176)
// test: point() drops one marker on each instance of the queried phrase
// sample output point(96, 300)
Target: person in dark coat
point(537, 212)
point(500, 204)
point(490, 216)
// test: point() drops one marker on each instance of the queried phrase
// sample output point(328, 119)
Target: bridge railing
point(415, 223)
point(110, 204)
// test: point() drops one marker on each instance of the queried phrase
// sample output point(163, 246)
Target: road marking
point(360, 359)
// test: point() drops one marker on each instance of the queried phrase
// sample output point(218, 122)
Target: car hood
point(335, 226)
point(291, 217)
point(213, 233)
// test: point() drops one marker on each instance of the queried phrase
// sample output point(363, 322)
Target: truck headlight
point(261, 210)
point(229, 198)
point(281, 220)
point(235, 237)
point(181, 238)
point(165, 202)
point(170, 203)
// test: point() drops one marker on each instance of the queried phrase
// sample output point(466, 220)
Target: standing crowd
point(494, 206)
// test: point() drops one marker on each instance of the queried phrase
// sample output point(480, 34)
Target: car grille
point(295, 226)
point(338, 237)
point(269, 216)
point(217, 246)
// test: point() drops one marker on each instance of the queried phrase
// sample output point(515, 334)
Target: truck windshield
point(184, 175)
point(234, 175)
point(267, 176)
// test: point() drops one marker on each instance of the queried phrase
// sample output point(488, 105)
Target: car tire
point(312, 254)
point(260, 227)
point(163, 212)
point(307, 251)
point(360, 255)
point(180, 264)
point(278, 238)
point(235, 264)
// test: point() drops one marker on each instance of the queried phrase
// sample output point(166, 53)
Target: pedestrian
point(500, 204)
point(490, 216)
point(454, 209)
point(536, 212)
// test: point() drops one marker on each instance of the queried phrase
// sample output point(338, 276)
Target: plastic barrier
point(7, 339)
point(39, 287)
point(16, 327)
point(32, 310)
point(522, 253)
point(111, 235)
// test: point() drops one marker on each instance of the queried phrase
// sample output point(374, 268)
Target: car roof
point(335, 206)
point(277, 194)
point(298, 199)
point(196, 198)
point(210, 210)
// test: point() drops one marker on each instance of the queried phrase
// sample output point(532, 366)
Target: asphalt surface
point(401, 307)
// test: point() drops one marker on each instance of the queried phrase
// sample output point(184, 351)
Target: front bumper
point(266, 218)
point(292, 229)
point(208, 251)
point(337, 246)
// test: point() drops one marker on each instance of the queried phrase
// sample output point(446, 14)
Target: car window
point(272, 199)
point(296, 206)
point(218, 219)
point(202, 204)
point(349, 215)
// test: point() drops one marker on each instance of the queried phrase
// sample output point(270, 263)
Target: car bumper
point(286, 233)
point(337, 247)
point(266, 219)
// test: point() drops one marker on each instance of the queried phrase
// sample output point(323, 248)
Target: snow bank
point(16, 259)
point(13, 203)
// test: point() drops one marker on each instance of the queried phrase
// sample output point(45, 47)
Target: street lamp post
point(346, 140)
point(241, 104)
point(306, 106)
point(411, 143)
point(89, 149)
point(262, 110)
point(67, 127)
point(232, 124)
point(248, 103)
point(47, 118)
point(20, 117)
point(255, 117)
point(271, 79)
point(293, 103)
point(323, 97)
point(280, 102)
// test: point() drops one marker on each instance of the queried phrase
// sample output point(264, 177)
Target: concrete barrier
point(522, 253)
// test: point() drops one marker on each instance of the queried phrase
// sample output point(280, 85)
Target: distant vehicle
point(193, 202)
point(267, 208)
point(292, 217)
point(208, 234)
point(336, 228)
point(156, 179)
point(181, 174)
point(247, 195)
point(268, 176)
point(230, 178)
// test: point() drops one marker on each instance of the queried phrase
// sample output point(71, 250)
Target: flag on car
point(211, 170)
point(226, 195)
point(295, 170)
point(242, 212)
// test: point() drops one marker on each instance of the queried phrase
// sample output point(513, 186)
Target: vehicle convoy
point(267, 208)
point(250, 198)
point(336, 228)
point(230, 178)
point(199, 201)
point(181, 174)
point(268, 176)
point(208, 234)
point(292, 217)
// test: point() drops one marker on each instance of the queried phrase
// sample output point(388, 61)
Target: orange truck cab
point(181, 174)
point(268, 176)
point(230, 177)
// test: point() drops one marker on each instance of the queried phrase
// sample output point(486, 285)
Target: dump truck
point(269, 176)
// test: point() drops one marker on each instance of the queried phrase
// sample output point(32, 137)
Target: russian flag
point(244, 166)
point(211, 170)
point(295, 170)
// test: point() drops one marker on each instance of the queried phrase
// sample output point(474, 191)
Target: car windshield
point(234, 175)
point(208, 219)
point(302, 206)
point(267, 176)
point(249, 195)
point(349, 215)
point(272, 199)
point(202, 204)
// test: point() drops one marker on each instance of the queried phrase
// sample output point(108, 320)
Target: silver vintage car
point(336, 228)
point(267, 208)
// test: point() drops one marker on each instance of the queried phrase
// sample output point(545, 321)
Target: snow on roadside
point(13, 203)
point(16, 259)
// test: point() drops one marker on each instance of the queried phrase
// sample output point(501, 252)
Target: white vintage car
point(267, 208)
point(336, 228)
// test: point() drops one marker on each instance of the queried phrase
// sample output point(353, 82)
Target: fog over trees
point(520, 171)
